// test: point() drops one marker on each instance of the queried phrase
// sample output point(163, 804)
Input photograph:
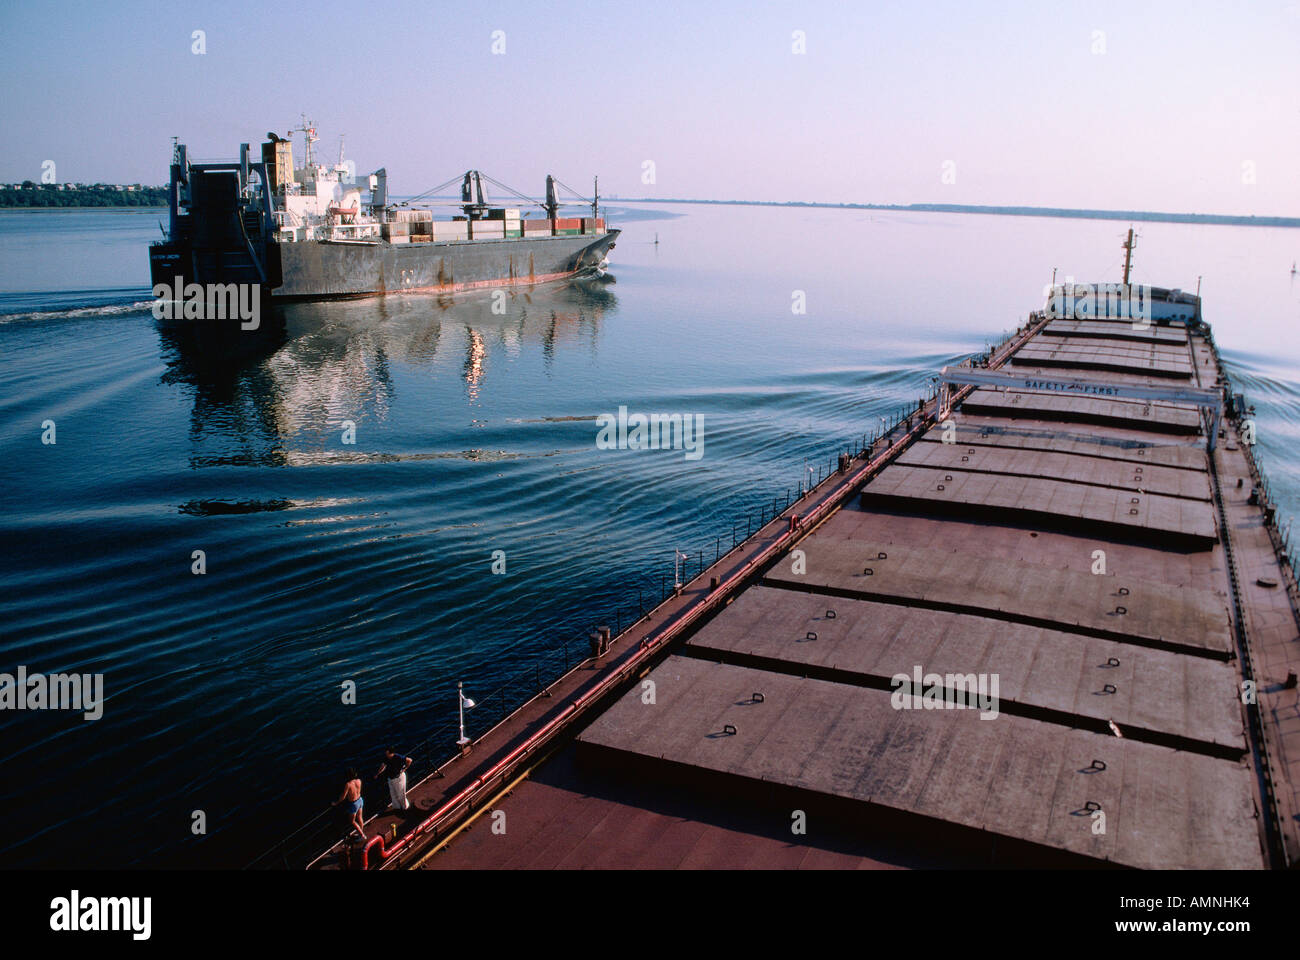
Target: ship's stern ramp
point(1027, 635)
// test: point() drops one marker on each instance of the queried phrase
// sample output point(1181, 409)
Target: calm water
point(474, 432)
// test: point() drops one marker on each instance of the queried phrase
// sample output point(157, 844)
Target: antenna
point(341, 138)
point(1129, 244)
point(308, 130)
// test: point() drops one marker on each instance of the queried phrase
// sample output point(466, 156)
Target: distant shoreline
point(1145, 216)
point(107, 208)
point(28, 195)
point(1214, 219)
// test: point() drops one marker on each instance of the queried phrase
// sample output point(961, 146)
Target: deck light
point(465, 704)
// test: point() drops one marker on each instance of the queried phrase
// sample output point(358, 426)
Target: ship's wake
point(16, 308)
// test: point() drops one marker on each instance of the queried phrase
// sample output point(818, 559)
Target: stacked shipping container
point(418, 226)
point(451, 230)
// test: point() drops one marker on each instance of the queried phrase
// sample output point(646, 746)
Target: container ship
point(306, 233)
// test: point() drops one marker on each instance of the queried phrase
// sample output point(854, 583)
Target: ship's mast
point(1129, 244)
point(308, 130)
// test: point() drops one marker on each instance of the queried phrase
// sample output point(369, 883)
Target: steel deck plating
point(1118, 573)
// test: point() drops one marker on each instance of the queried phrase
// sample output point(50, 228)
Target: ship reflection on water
point(312, 366)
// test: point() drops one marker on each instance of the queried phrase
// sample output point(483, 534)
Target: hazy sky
point(1161, 106)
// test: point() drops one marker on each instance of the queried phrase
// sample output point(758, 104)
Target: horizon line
point(1080, 213)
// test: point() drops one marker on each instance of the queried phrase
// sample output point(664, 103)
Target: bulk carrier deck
point(1078, 514)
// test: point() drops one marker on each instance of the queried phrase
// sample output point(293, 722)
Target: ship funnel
point(277, 154)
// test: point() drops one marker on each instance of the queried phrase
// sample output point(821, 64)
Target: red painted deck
point(1086, 552)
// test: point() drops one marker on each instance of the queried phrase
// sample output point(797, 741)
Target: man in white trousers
point(394, 768)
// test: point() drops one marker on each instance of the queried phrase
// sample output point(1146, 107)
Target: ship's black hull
point(316, 270)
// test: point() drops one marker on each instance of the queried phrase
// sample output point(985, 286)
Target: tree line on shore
point(29, 194)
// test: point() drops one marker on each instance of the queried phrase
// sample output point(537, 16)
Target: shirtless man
point(352, 797)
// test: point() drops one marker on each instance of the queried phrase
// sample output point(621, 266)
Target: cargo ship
point(1045, 616)
point(320, 231)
